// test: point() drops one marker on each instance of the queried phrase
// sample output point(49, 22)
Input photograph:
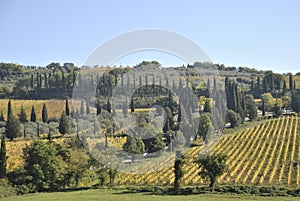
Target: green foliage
point(3, 157)
point(178, 170)
point(233, 118)
point(43, 166)
point(13, 128)
point(268, 100)
point(204, 125)
point(9, 109)
point(212, 166)
point(44, 114)
point(251, 108)
point(208, 105)
point(134, 145)
point(64, 124)
point(67, 109)
point(33, 115)
point(1, 116)
point(22, 115)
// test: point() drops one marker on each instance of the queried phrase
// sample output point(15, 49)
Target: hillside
point(266, 154)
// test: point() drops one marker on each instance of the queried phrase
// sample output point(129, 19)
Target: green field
point(113, 195)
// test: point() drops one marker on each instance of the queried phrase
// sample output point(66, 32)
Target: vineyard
point(267, 154)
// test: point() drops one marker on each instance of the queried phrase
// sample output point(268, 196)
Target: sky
point(253, 33)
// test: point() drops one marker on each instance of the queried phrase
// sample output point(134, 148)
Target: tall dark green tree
point(251, 108)
point(22, 115)
point(98, 107)
point(1, 116)
point(284, 88)
point(44, 113)
point(67, 109)
point(291, 82)
point(108, 106)
point(178, 171)
point(131, 105)
point(3, 157)
point(9, 109)
point(13, 128)
point(64, 124)
point(33, 115)
point(81, 108)
point(88, 107)
point(207, 106)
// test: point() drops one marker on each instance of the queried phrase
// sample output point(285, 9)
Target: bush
point(6, 189)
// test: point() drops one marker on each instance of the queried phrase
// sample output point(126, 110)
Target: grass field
point(113, 195)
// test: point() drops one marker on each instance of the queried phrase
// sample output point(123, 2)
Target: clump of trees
point(212, 166)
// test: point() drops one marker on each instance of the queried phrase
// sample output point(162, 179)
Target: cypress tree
point(82, 108)
point(31, 81)
point(131, 105)
point(38, 130)
point(108, 106)
point(1, 116)
point(44, 114)
point(178, 170)
point(3, 157)
point(258, 84)
point(207, 106)
point(40, 82)
point(291, 82)
point(98, 107)
point(46, 80)
point(33, 115)
point(22, 115)
point(67, 109)
point(9, 109)
point(87, 107)
point(284, 89)
point(13, 127)
point(64, 125)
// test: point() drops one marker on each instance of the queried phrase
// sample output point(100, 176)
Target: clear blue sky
point(254, 33)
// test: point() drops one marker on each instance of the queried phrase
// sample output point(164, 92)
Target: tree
point(207, 106)
point(252, 111)
point(178, 170)
point(32, 115)
point(9, 109)
point(156, 143)
point(284, 88)
point(268, 101)
point(22, 115)
point(204, 125)
point(43, 166)
point(64, 125)
point(212, 166)
point(131, 105)
point(98, 107)
point(13, 128)
point(67, 109)
point(3, 157)
point(44, 114)
point(233, 118)
point(108, 106)
point(82, 108)
point(87, 107)
point(134, 145)
point(1, 116)
point(291, 82)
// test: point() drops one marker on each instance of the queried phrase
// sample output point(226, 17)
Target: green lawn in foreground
point(112, 195)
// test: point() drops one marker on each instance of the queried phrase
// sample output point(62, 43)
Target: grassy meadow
point(114, 195)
